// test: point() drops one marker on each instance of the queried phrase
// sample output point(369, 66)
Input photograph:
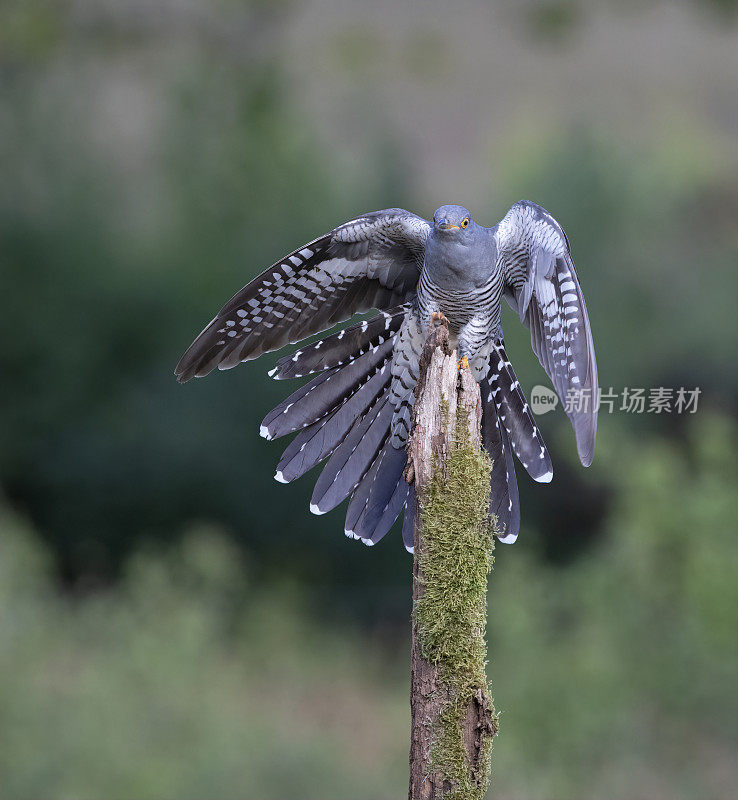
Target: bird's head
point(452, 221)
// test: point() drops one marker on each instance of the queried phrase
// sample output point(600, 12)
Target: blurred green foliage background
point(175, 624)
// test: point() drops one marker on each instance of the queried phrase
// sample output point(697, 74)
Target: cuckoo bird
point(356, 410)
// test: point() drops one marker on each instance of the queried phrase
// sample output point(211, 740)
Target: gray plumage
point(356, 411)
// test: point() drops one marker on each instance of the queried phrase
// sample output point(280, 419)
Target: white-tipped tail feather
point(279, 477)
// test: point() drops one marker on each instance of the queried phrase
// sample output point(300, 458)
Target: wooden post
point(453, 718)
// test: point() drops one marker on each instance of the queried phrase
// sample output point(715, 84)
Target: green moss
point(451, 615)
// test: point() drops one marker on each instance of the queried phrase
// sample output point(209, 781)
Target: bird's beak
point(446, 226)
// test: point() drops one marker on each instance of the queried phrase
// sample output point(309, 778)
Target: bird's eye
point(465, 222)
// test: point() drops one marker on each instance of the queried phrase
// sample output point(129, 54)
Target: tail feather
point(303, 452)
point(273, 424)
point(392, 510)
point(346, 414)
point(515, 414)
point(408, 523)
point(328, 432)
point(324, 393)
point(341, 348)
point(353, 457)
point(512, 515)
point(504, 503)
point(359, 498)
point(372, 501)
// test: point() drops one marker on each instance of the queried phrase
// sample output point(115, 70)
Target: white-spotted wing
point(372, 261)
point(543, 288)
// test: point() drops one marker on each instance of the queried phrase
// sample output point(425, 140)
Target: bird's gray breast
point(460, 280)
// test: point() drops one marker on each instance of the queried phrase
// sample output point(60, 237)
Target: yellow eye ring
point(465, 222)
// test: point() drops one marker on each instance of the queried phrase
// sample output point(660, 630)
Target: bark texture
point(453, 717)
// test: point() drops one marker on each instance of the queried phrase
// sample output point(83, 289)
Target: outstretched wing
point(542, 287)
point(372, 261)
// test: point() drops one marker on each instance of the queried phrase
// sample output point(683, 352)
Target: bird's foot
point(438, 318)
point(463, 364)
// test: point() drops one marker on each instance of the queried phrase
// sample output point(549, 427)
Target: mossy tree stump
point(453, 717)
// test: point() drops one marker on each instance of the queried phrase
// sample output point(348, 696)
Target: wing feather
point(543, 288)
point(372, 261)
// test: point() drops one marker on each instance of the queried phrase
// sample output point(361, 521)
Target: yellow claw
point(463, 364)
point(436, 316)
